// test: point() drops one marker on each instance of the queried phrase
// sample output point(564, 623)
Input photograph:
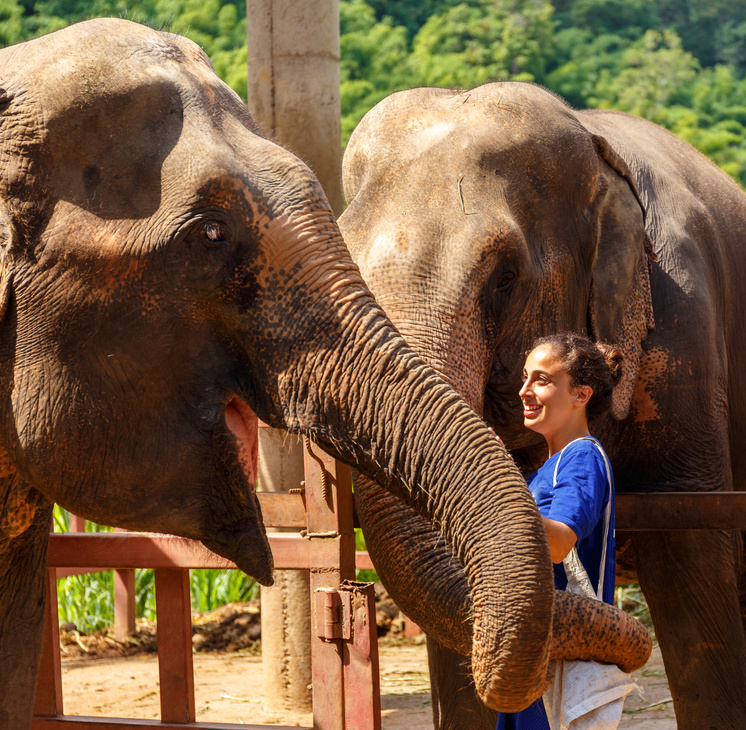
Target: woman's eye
point(214, 234)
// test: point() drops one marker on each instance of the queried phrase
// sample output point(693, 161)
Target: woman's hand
point(561, 539)
point(500, 441)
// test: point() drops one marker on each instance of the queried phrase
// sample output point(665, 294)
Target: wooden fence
point(346, 692)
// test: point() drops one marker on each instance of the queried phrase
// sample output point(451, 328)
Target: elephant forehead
point(502, 117)
point(119, 45)
point(90, 67)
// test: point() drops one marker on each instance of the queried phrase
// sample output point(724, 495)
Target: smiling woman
point(568, 382)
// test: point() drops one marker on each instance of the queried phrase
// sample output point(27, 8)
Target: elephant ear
point(620, 308)
point(18, 500)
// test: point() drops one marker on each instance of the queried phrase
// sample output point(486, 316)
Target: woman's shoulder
point(583, 444)
point(584, 449)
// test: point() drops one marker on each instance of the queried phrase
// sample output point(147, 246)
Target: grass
point(630, 599)
point(88, 600)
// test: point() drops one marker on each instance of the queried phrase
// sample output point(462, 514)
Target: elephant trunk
point(404, 547)
point(592, 630)
point(389, 414)
point(345, 377)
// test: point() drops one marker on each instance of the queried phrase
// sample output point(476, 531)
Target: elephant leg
point(23, 562)
point(690, 580)
point(455, 702)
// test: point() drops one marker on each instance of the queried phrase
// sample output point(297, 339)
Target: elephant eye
point(504, 282)
point(214, 234)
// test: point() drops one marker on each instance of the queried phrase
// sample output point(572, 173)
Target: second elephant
point(486, 218)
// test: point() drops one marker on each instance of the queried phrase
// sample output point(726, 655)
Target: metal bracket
point(333, 611)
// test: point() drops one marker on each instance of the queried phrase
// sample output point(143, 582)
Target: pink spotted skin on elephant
point(484, 219)
point(167, 276)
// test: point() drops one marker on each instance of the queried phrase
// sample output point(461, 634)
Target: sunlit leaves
point(651, 73)
point(484, 40)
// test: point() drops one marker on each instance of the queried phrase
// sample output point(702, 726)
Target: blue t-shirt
point(578, 499)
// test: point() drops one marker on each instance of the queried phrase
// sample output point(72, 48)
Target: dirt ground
point(229, 689)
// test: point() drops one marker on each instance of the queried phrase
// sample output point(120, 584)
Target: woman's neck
point(558, 440)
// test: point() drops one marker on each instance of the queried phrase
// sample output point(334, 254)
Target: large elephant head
point(481, 220)
point(168, 275)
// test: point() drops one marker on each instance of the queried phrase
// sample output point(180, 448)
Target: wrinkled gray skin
point(167, 275)
point(483, 219)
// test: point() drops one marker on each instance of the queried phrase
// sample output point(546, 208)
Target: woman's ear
point(583, 394)
point(620, 307)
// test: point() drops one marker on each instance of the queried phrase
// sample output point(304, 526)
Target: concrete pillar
point(293, 90)
point(286, 608)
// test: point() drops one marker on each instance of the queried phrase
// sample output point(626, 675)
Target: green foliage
point(373, 64)
point(626, 17)
point(363, 575)
point(650, 75)
point(484, 40)
point(213, 588)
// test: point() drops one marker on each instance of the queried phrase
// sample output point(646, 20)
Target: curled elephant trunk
point(404, 547)
point(592, 630)
point(401, 424)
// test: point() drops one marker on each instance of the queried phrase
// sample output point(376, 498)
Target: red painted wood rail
point(346, 691)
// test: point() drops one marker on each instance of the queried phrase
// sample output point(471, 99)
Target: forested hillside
point(680, 63)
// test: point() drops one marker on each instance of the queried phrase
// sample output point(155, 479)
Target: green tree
point(582, 57)
point(484, 40)
point(706, 27)
point(655, 70)
point(11, 22)
point(410, 14)
point(629, 18)
point(374, 57)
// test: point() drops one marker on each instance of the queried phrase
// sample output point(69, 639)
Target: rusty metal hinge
point(333, 611)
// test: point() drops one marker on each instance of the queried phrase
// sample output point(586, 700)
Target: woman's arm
point(561, 538)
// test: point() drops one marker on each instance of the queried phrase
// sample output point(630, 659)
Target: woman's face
point(548, 398)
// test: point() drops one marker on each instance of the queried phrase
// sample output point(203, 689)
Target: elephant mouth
point(243, 423)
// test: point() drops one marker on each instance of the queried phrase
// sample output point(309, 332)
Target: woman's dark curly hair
point(595, 364)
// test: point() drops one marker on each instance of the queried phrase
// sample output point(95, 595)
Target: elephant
point(484, 219)
point(168, 276)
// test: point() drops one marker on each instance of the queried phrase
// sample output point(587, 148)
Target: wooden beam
point(283, 510)
point(107, 550)
point(49, 679)
point(174, 626)
point(79, 722)
point(661, 511)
